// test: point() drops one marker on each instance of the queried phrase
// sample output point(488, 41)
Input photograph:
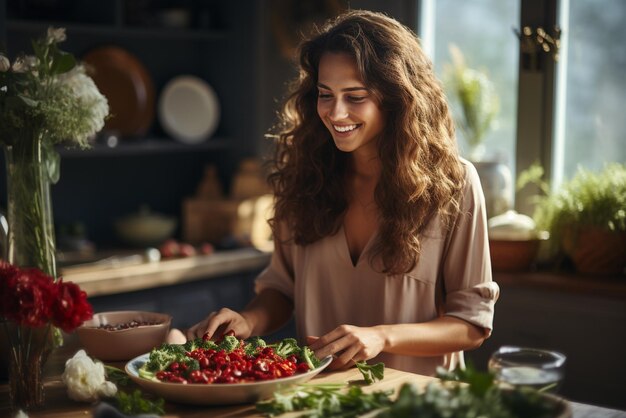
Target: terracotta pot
point(513, 255)
point(596, 250)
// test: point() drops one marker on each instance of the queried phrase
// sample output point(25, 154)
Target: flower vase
point(29, 352)
point(31, 241)
point(31, 244)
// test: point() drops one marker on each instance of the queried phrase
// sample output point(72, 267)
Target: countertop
point(98, 281)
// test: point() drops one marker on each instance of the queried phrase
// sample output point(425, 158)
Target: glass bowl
point(528, 367)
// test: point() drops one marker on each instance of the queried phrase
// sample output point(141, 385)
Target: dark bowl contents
point(127, 325)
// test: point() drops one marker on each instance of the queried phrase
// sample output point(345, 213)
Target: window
point(563, 115)
point(483, 32)
point(591, 96)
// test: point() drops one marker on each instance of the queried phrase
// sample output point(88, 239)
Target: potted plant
point(586, 218)
point(476, 104)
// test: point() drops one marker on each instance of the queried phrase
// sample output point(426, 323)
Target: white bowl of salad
point(231, 371)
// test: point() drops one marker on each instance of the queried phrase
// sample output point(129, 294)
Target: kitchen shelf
point(108, 30)
point(131, 147)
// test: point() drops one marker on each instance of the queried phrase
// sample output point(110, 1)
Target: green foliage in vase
point(588, 199)
point(45, 98)
point(48, 93)
point(474, 95)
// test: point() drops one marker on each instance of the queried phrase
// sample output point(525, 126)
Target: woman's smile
point(346, 129)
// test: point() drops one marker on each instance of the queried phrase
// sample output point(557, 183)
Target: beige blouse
point(328, 290)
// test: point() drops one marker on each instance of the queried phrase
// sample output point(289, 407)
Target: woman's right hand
point(220, 322)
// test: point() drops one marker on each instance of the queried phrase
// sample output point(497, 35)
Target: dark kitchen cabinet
point(217, 44)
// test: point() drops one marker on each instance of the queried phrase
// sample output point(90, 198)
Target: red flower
point(71, 308)
point(31, 298)
point(28, 296)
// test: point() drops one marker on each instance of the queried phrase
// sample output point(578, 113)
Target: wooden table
point(58, 405)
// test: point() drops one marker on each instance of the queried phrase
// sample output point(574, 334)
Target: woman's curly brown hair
point(421, 171)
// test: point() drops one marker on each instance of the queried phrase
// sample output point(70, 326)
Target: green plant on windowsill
point(475, 101)
point(586, 217)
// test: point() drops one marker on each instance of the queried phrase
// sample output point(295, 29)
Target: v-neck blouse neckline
point(344, 248)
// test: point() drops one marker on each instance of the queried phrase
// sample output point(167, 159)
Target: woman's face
point(346, 106)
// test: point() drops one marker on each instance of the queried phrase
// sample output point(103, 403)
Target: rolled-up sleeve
point(279, 274)
point(470, 292)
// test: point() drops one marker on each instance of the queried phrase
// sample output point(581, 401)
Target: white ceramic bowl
point(217, 393)
point(124, 344)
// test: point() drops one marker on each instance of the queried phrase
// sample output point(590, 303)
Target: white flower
point(5, 64)
point(24, 63)
point(85, 379)
point(19, 65)
point(56, 35)
point(86, 91)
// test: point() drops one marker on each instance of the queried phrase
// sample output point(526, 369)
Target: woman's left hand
point(348, 344)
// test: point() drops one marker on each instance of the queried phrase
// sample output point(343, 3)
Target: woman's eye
point(357, 99)
point(323, 96)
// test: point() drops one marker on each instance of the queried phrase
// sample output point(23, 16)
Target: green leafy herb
point(117, 376)
point(324, 400)
point(461, 394)
point(134, 403)
point(468, 393)
point(371, 373)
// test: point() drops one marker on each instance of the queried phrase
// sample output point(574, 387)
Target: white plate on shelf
point(189, 109)
point(217, 393)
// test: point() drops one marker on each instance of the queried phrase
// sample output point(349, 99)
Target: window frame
point(536, 103)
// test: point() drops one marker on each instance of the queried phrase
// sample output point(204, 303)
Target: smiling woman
point(377, 218)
